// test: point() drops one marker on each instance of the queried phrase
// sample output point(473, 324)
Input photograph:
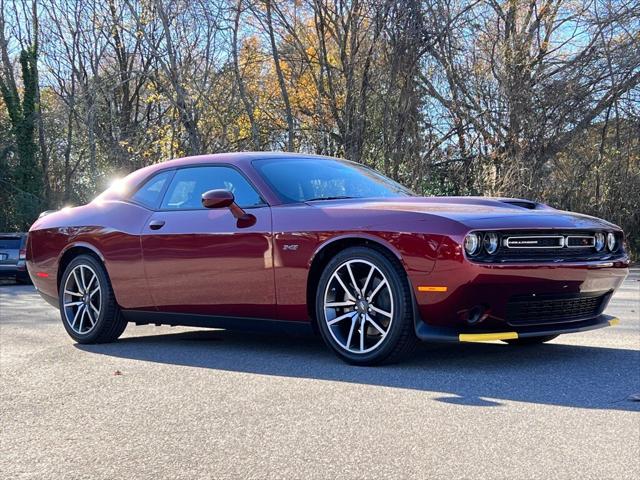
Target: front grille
point(548, 246)
point(526, 242)
point(544, 309)
point(581, 241)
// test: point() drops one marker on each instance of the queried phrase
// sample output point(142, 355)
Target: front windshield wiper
point(337, 197)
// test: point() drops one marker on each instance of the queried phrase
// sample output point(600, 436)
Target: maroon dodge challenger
point(301, 242)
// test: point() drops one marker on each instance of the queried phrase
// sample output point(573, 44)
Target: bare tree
point(532, 77)
point(246, 101)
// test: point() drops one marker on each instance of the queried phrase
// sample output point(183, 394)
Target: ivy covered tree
point(21, 102)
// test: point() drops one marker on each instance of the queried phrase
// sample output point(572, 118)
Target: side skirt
point(258, 325)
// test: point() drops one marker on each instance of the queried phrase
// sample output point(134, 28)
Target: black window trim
point(213, 164)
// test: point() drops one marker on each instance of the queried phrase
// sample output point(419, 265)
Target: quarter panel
point(111, 229)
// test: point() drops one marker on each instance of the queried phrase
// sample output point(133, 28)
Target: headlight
point(472, 243)
point(611, 242)
point(599, 241)
point(491, 242)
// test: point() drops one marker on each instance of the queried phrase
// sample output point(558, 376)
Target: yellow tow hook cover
point(487, 337)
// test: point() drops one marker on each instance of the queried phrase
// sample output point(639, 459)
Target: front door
point(201, 261)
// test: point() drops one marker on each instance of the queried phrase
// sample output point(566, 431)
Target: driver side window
point(188, 185)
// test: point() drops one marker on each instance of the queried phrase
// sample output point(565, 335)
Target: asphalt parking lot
point(185, 403)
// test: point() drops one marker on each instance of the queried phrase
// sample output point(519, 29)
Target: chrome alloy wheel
point(82, 296)
point(358, 306)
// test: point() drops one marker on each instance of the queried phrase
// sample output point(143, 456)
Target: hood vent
point(521, 203)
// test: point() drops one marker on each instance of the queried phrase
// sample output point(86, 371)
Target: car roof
point(240, 159)
point(236, 158)
point(233, 158)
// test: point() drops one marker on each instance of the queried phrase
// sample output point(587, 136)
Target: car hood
point(477, 212)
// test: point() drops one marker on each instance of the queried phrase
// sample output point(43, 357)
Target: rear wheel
point(364, 308)
point(530, 340)
point(88, 308)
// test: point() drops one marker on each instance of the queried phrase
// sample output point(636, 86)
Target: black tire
point(531, 340)
point(110, 322)
point(399, 339)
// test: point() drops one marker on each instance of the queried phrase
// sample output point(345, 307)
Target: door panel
point(200, 261)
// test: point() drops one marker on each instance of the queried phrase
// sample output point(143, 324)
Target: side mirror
point(225, 199)
point(217, 199)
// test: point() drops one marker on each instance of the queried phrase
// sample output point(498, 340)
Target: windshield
point(310, 179)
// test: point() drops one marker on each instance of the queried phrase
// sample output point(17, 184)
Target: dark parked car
point(251, 240)
point(13, 251)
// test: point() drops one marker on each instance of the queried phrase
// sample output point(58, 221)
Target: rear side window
point(149, 194)
point(188, 185)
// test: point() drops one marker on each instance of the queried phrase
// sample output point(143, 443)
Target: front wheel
point(88, 307)
point(364, 307)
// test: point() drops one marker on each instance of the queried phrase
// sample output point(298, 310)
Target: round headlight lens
point(491, 242)
point(472, 243)
point(599, 241)
point(611, 241)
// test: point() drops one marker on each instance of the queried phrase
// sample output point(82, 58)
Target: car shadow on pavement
point(480, 375)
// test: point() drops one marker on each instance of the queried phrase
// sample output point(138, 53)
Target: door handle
point(156, 224)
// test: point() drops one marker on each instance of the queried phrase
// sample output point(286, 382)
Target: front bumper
point(430, 333)
point(515, 297)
